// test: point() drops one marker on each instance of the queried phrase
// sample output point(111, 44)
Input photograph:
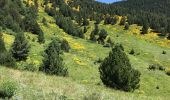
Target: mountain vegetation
point(84, 49)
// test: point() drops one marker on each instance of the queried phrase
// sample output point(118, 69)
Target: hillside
point(83, 81)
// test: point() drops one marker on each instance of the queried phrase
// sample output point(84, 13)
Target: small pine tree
point(5, 57)
point(44, 21)
point(41, 38)
point(116, 71)
point(132, 52)
point(93, 37)
point(2, 45)
point(102, 36)
point(96, 29)
point(85, 29)
point(85, 22)
point(65, 46)
point(53, 63)
point(126, 26)
point(110, 42)
point(145, 28)
point(81, 34)
point(20, 47)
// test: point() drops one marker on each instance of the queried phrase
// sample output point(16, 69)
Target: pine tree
point(96, 29)
point(2, 45)
point(145, 28)
point(20, 47)
point(85, 29)
point(81, 34)
point(65, 46)
point(85, 22)
point(41, 38)
point(44, 21)
point(53, 63)
point(93, 37)
point(116, 71)
point(5, 57)
point(126, 26)
point(110, 42)
point(102, 36)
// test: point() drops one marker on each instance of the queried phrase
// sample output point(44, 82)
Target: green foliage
point(53, 63)
point(85, 29)
point(96, 29)
point(5, 57)
point(85, 21)
point(156, 67)
point(44, 21)
point(116, 71)
point(132, 52)
point(102, 36)
point(65, 46)
point(126, 26)
point(145, 28)
point(7, 89)
point(163, 52)
point(41, 38)
point(93, 37)
point(123, 21)
point(20, 47)
point(2, 45)
point(110, 42)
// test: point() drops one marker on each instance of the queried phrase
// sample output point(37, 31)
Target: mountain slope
point(83, 80)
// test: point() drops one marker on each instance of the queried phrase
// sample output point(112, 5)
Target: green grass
point(84, 78)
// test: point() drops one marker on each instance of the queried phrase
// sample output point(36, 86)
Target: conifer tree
point(85, 29)
point(65, 46)
point(110, 42)
point(44, 21)
point(96, 29)
point(6, 58)
point(53, 63)
point(116, 71)
point(102, 36)
point(126, 26)
point(41, 38)
point(145, 28)
point(93, 37)
point(20, 47)
point(85, 21)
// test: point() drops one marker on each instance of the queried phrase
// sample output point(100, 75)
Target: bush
point(156, 67)
point(7, 89)
point(163, 52)
point(116, 71)
point(132, 52)
point(53, 63)
point(65, 46)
